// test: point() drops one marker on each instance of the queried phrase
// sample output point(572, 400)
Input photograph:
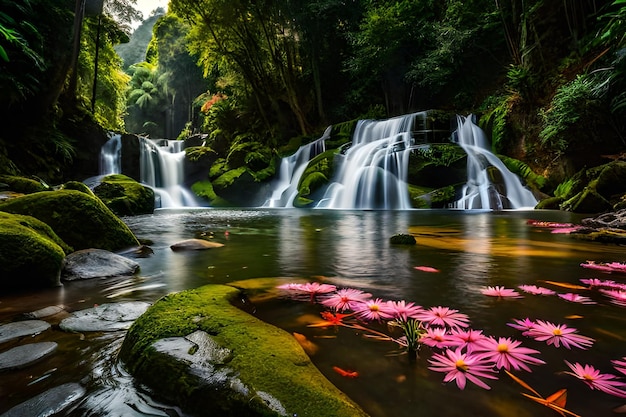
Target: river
point(470, 249)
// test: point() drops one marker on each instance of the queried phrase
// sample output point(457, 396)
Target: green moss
point(80, 220)
point(229, 177)
point(198, 153)
point(125, 196)
point(218, 168)
point(204, 190)
point(263, 356)
point(23, 185)
point(31, 254)
point(77, 186)
point(523, 171)
point(341, 133)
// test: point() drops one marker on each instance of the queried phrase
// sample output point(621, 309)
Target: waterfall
point(111, 156)
point(372, 173)
point(291, 169)
point(161, 167)
point(480, 192)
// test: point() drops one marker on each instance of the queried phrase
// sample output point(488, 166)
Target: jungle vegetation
point(260, 77)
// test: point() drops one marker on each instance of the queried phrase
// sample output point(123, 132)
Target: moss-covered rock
point(204, 190)
point(77, 186)
point(31, 254)
point(263, 370)
point(125, 196)
point(80, 220)
point(22, 185)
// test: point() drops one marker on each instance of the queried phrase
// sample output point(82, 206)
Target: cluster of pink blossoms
point(462, 353)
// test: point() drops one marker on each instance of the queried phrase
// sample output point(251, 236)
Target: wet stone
point(96, 263)
point(105, 317)
point(195, 244)
point(19, 329)
point(48, 403)
point(24, 355)
point(44, 312)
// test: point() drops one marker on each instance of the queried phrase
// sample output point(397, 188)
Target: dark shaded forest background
point(545, 78)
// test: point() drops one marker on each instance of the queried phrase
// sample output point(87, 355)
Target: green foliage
point(523, 171)
point(440, 155)
point(495, 119)
point(572, 102)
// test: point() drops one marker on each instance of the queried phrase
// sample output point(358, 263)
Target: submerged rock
point(195, 244)
point(402, 239)
point(49, 403)
point(198, 350)
point(24, 355)
point(19, 329)
point(105, 317)
point(96, 263)
point(44, 312)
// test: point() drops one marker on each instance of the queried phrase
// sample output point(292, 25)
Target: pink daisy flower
point(467, 339)
point(597, 283)
point(576, 298)
point(375, 309)
point(345, 299)
point(402, 310)
point(595, 380)
point(499, 291)
point(310, 288)
point(620, 365)
point(557, 334)
point(507, 353)
point(535, 290)
point(525, 326)
point(461, 367)
point(443, 316)
point(436, 337)
point(616, 296)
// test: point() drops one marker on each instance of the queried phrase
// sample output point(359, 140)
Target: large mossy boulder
point(22, 185)
point(196, 349)
point(80, 220)
point(31, 254)
point(125, 196)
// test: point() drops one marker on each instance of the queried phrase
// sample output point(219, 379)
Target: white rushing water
point(372, 173)
point(162, 169)
point(111, 156)
point(480, 192)
point(285, 189)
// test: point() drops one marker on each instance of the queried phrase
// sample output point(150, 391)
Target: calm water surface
point(351, 249)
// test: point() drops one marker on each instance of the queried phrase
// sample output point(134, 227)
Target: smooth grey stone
point(195, 244)
point(105, 317)
point(44, 312)
point(17, 329)
point(24, 355)
point(96, 263)
point(48, 403)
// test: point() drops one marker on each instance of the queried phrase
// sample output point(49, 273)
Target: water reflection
point(348, 249)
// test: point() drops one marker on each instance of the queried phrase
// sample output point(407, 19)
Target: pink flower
point(507, 353)
point(554, 334)
point(597, 283)
point(436, 337)
point(620, 365)
point(373, 310)
point(596, 380)
point(535, 290)
point(575, 298)
point(525, 326)
point(617, 296)
point(345, 299)
point(310, 288)
point(443, 316)
point(461, 367)
point(466, 338)
point(499, 291)
point(402, 310)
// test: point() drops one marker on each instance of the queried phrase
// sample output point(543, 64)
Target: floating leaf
point(566, 285)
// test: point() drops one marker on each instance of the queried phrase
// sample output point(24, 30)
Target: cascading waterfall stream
point(372, 173)
point(292, 167)
point(480, 192)
point(161, 168)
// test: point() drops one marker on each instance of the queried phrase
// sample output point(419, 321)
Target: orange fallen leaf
point(426, 268)
point(309, 347)
point(566, 285)
point(346, 373)
point(556, 401)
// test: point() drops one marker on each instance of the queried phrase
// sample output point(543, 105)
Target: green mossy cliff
point(263, 358)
